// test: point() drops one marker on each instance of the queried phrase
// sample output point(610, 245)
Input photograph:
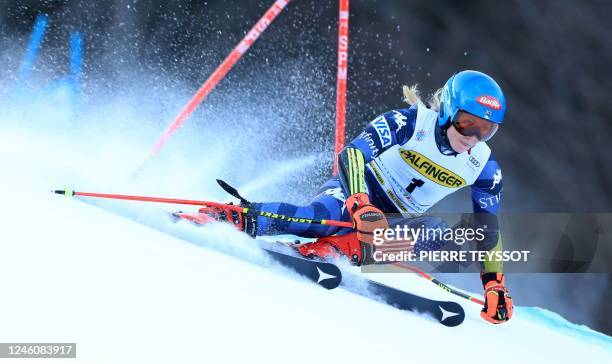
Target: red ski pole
point(220, 72)
point(433, 280)
point(203, 203)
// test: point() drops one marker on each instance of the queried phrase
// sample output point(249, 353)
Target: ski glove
point(366, 217)
point(498, 303)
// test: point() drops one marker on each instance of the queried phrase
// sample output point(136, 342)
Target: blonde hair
point(412, 96)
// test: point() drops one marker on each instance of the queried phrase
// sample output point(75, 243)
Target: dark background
point(552, 59)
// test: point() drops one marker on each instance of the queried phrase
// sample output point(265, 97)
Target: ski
point(326, 275)
point(448, 313)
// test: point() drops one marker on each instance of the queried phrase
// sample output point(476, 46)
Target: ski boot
point(337, 246)
point(358, 252)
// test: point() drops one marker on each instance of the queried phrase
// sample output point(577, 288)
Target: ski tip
point(223, 184)
point(64, 192)
point(232, 191)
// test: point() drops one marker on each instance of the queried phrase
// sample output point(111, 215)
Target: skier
point(405, 161)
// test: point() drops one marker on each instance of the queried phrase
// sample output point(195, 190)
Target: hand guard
point(498, 303)
point(366, 217)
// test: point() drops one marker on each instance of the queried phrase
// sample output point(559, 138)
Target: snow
point(129, 293)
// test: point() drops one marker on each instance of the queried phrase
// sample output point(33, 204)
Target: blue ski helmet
point(473, 92)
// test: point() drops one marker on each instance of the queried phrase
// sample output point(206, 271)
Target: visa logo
point(383, 131)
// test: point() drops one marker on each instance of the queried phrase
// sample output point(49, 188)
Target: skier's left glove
point(366, 217)
point(498, 303)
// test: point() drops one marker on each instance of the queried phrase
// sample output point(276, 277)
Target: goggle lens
point(470, 125)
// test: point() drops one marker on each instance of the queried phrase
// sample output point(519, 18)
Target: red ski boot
point(230, 213)
point(338, 245)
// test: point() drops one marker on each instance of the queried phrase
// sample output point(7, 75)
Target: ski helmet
point(473, 92)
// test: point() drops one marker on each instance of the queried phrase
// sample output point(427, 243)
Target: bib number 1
point(414, 184)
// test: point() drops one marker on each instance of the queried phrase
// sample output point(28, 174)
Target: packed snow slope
point(128, 293)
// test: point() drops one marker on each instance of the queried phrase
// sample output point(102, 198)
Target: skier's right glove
point(366, 217)
point(498, 303)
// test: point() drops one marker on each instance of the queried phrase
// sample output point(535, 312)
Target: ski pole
point(71, 193)
point(433, 280)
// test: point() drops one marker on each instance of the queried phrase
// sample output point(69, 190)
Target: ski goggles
point(469, 125)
